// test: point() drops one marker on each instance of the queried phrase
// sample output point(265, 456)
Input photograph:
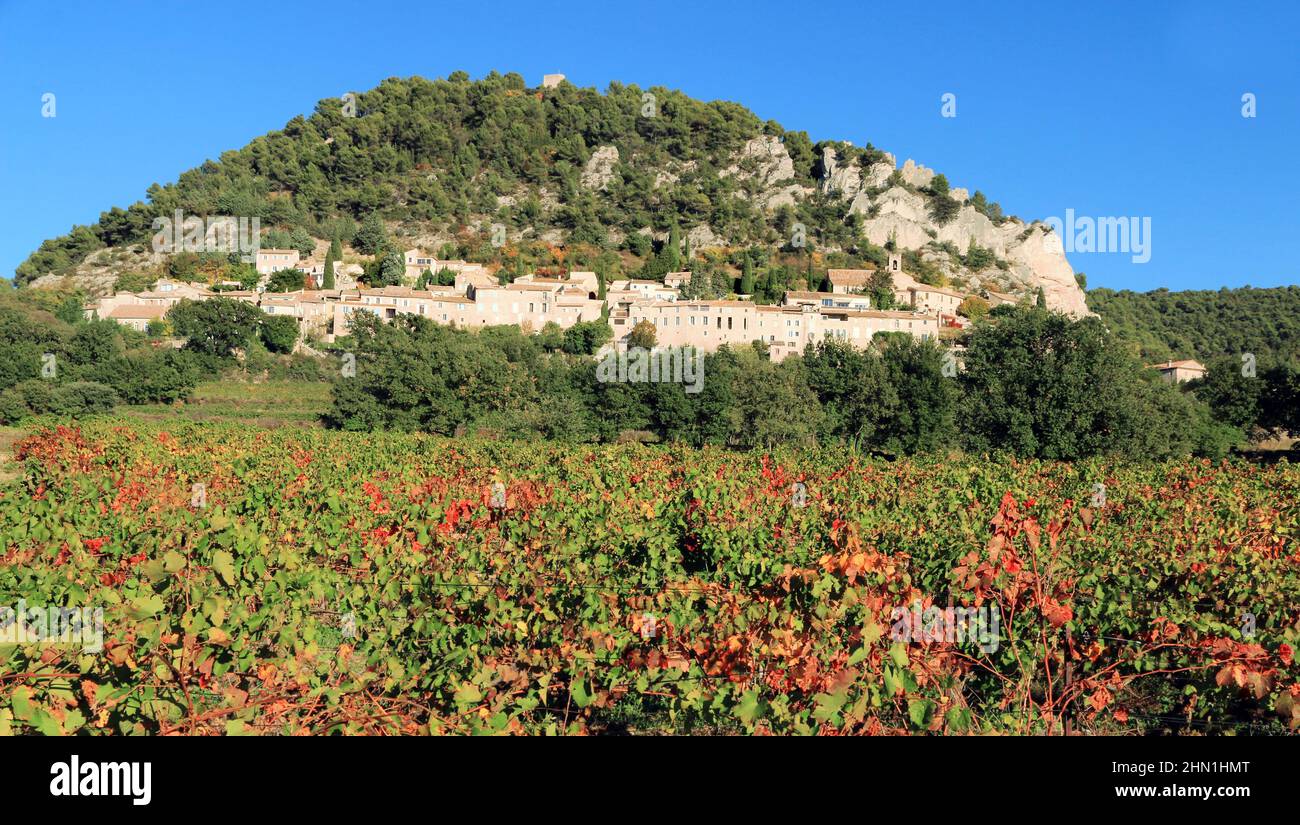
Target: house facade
point(270, 261)
point(786, 329)
point(927, 298)
point(1176, 372)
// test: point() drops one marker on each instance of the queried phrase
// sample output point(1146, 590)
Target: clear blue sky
point(1111, 109)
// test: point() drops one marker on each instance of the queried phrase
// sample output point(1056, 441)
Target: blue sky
point(1109, 109)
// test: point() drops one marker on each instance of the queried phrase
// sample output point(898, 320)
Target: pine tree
point(1041, 301)
point(372, 237)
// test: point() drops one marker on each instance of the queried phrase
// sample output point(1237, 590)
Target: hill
point(1205, 324)
point(610, 175)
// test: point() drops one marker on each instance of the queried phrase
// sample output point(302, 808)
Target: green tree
point(925, 419)
point(642, 335)
point(412, 374)
point(747, 277)
point(279, 333)
point(391, 271)
point(673, 250)
point(286, 280)
point(133, 282)
point(973, 307)
point(1040, 384)
point(332, 257)
point(216, 326)
point(1233, 398)
point(372, 237)
point(586, 337)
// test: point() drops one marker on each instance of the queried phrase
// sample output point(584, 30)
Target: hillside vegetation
point(1205, 324)
point(444, 151)
point(619, 182)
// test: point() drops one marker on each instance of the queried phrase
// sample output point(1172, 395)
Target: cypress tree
point(333, 256)
point(747, 277)
point(673, 250)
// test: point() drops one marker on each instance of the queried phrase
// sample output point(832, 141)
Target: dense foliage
point(1205, 324)
point(1040, 384)
point(332, 582)
point(61, 364)
point(1035, 383)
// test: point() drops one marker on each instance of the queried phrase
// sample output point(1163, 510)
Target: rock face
point(1040, 261)
point(599, 170)
point(837, 177)
point(1034, 257)
point(878, 173)
point(765, 167)
point(915, 174)
point(703, 237)
point(763, 161)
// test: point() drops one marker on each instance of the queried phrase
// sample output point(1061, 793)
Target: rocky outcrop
point(767, 172)
point(785, 196)
point(1035, 256)
point(1039, 261)
point(599, 169)
point(916, 175)
point(703, 237)
point(763, 161)
point(971, 225)
point(844, 178)
point(901, 216)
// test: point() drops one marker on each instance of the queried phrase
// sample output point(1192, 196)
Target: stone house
point(848, 281)
point(273, 260)
point(1176, 372)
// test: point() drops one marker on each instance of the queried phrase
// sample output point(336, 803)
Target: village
point(478, 299)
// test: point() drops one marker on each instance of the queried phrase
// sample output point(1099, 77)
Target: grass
point(266, 404)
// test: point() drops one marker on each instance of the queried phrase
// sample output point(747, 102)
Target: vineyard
point(292, 582)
